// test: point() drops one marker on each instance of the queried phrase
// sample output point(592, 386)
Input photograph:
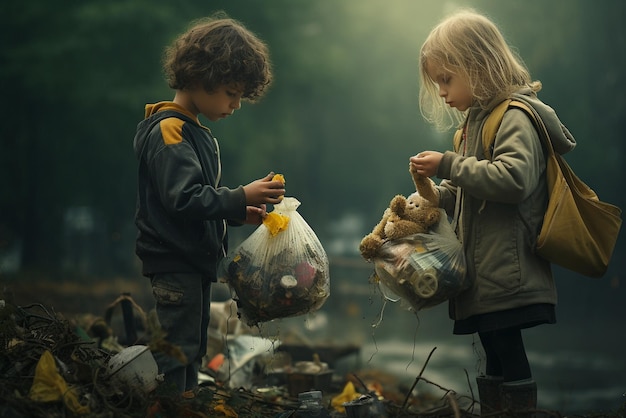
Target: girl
point(466, 69)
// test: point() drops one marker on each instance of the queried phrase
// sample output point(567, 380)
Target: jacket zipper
point(217, 182)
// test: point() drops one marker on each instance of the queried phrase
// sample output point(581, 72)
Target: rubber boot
point(489, 394)
point(519, 399)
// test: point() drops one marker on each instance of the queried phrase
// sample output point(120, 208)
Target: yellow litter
point(49, 385)
point(348, 394)
point(275, 223)
point(225, 410)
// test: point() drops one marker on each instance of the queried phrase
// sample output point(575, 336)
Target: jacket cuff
point(239, 204)
point(445, 166)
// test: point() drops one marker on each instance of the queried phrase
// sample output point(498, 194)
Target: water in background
point(579, 363)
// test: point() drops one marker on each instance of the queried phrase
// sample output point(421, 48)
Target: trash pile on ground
point(51, 366)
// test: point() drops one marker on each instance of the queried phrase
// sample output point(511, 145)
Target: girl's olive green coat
point(501, 207)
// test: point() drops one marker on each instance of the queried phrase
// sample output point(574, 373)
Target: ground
point(59, 317)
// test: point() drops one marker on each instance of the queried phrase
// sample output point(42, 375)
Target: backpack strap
point(534, 117)
point(458, 137)
point(492, 124)
point(526, 108)
point(490, 127)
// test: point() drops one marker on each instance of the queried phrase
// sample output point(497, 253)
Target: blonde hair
point(469, 45)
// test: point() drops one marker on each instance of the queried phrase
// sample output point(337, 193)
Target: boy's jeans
point(183, 306)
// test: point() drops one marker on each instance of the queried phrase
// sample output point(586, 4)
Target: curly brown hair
point(218, 51)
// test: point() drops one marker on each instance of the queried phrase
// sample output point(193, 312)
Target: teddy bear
point(404, 216)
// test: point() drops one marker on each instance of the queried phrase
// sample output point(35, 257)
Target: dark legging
point(505, 354)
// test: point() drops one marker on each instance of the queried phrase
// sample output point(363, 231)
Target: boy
point(182, 210)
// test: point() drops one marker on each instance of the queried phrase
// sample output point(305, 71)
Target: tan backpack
point(579, 231)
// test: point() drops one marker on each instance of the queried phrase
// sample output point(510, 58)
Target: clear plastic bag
point(279, 270)
point(423, 270)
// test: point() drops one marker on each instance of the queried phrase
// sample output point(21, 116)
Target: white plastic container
point(134, 366)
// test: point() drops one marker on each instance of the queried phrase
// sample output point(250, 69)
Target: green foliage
point(340, 120)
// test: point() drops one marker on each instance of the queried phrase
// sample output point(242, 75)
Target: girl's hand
point(426, 163)
point(255, 215)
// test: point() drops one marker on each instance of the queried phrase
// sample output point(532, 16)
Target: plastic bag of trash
point(423, 270)
point(280, 270)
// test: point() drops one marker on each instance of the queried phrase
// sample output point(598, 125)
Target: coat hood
point(562, 140)
point(154, 113)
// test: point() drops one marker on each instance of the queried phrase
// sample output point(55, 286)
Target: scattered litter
point(134, 366)
point(51, 366)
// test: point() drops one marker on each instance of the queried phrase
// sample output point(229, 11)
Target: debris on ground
point(52, 366)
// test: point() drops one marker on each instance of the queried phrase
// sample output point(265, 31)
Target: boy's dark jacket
point(181, 209)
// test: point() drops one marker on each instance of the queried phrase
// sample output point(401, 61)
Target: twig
point(361, 382)
point(453, 404)
point(430, 382)
point(408, 395)
point(469, 385)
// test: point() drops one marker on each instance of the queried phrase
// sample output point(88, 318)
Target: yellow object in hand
point(276, 222)
point(279, 177)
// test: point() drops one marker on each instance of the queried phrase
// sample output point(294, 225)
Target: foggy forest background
point(340, 120)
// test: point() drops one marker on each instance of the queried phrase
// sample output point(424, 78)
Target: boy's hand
point(264, 190)
point(255, 215)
